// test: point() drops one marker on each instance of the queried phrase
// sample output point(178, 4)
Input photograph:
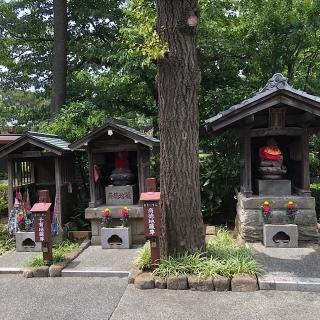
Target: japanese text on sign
point(41, 229)
point(151, 221)
point(119, 195)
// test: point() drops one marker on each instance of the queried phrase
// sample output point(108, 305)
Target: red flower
point(266, 209)
point(124, 212)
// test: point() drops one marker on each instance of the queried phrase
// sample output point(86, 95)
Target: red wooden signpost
point(42, 225)
point(152, 224)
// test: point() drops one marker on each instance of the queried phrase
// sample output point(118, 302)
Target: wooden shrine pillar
point(305, 165)
point(92, 185)
point(143, 168)
point(10, 184)
point(245, 162)
point(58, 182)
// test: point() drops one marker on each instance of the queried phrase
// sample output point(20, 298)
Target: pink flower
point(124, 212)
point(266, 209)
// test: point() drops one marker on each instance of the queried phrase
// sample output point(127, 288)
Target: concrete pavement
point(59, 298)
point(111, 298)
point(263, 305)
point(289, 269)
point(98, 262)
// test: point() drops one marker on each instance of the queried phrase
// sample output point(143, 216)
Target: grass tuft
point(6, 243)
point(224, 256)
point(143, 258)
point(59, 250)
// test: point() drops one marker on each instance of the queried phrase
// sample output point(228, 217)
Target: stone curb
point(244, 283)
point(133, 274)
point(197, 283)
point(55, 269)
point(144, 281)
point(239, 283)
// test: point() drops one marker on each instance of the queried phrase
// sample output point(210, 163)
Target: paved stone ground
point(263, 305)
point(59, 298)
point(111, 298)
point(95, 259)
point(289, 268)
point(15, 259)
point(292, 262)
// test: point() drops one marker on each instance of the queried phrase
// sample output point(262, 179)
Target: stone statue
point(271, 161)
point(121, 175)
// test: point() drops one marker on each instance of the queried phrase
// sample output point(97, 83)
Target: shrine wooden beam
point(265, 132)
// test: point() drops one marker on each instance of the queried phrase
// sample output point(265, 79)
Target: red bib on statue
point(270, 153)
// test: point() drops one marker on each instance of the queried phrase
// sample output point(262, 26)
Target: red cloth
point(96, 172)
point(121, 164)
point(270, 153)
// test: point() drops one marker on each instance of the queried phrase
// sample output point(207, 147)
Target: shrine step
point(94, 273)
point(270, 282)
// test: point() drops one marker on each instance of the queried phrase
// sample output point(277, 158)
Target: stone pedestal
point(120, 195)
point(116, 238)
point(249, 221)
point(25, 242)
point(274, 187)
point(280, 235)
point(136, 222)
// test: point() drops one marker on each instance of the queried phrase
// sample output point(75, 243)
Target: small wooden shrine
point(119, 164)
point(38, 161)
point(273, 128)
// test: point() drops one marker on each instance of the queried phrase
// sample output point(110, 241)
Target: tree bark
point(178, 81)
point(59, 65)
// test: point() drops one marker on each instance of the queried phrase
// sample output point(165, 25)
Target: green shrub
point(6, 243)
point(143, 258)
point(3, 196)
point(181, 264)
point(315, 192)
point(59, 250)
point(224, 256)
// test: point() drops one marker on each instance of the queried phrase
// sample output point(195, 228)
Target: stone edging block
point(133, 273)
point(177, 283)
point(55, 269)
point(239, 283)
point(244, 283)
point(144, 281)
point(200, 284)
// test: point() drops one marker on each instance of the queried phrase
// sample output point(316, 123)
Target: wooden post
point(152, 223)
point(57, 167)
point(245, 163)
point(305, 166)
point(93, 201)
point(10, 184)
point(42, 228)
point(143, 167)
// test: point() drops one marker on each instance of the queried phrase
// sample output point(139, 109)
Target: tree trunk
point(178, 80)
point(59, 67)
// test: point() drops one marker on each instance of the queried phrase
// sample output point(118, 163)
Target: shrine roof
point(48, 142)
point(276, 91)
point(121, 128)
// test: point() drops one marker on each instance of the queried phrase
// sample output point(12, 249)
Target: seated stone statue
point(271, 161)
point(121, 175)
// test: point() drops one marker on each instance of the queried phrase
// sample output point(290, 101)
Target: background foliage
point(112, 54)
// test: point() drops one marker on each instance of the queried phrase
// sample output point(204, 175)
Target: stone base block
point(116, 238)
point(119, 195)
point(274, 187)
point(136, 222)
point(25, 242)
point(249, 221)
point(280, 235)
